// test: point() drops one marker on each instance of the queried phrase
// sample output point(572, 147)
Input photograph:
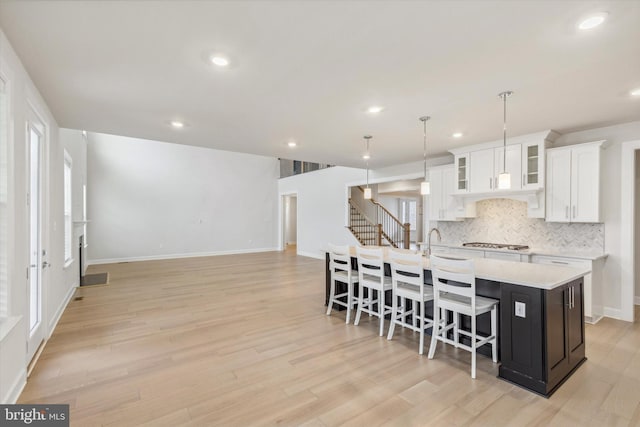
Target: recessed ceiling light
point(176, 124)
point(291, 144)
point(635, 92)
point(366, 156)
point(592, 21)
point(375, 109)
point(220, 61)
point(457, 135)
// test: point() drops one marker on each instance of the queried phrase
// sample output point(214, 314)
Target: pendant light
point(425, 186)
point(504, 178)
point(367, 191)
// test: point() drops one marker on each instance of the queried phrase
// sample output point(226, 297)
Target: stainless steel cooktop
point(508, 246)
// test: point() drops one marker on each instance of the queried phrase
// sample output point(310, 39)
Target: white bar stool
point(371, 276)
point(407, 277)
point(454, 286)
point(341, 272)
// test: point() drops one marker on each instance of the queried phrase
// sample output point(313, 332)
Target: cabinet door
point(462, 173)
point(513, 164)
point(575, 323)
point(558, 185)
point(585, 184)
point(481, 172)
point(556, 305)
point(448, 188)
point(435, 198)
point(532, 162)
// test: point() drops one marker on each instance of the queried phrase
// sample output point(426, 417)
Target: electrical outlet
point(521, 309)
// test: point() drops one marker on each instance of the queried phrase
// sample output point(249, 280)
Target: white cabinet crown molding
point(547, 135)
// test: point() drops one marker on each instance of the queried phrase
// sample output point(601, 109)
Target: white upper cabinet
point(533, 165)
point(573, 183)
point(513, 165)
point(479, 166)
point(442, 206)
point(481, 172)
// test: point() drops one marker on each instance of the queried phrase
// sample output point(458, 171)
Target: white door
point(34, 200)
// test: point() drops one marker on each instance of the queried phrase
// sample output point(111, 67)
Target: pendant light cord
point(504, 134)
point(424, 119)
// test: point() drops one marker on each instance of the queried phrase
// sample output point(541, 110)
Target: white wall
point(611, 202)
point(57, 290)
point(322, 207)
point(637, 229)
point(154, 200)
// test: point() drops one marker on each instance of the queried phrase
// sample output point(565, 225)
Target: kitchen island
point(541, 326)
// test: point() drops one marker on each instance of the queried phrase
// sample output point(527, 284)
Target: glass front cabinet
point(462, 173)
point(532, 165)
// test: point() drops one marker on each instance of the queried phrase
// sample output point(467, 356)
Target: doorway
point(290, 222)
point(35, 143)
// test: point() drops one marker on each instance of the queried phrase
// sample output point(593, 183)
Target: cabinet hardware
point(560, 262)
point(524, 180)
point(574, 211)
point(573, 296)
point(490, 183)
point(566, 212)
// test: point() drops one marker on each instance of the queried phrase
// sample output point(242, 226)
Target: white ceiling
point(308, 70)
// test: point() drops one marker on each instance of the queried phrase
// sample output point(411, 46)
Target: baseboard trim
point(176, 256)
point(614, 313)
point(16, 388)
point(637, 300)
point(310, 255)
point(54, 322)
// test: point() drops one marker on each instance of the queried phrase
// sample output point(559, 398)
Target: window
point(409, 213)
point(68, 222)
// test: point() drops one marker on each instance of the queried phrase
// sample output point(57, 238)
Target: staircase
point(385, 229)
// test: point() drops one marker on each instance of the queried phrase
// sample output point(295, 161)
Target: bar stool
point(407, 277)
point(341, 272)
point(454, 288)
point(371, 276)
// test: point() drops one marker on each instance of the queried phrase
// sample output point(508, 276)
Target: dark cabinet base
point(544, 345)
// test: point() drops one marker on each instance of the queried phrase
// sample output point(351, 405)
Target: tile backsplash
point(506, 221)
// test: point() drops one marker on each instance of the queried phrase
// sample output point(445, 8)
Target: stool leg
point(360, 304)
point(494, 332)
point(349, 298)
point(434, 329)
point(332, 292)
point(473, 346)
point(394, 314)
point(456, 322)
point(419, 305)
point(381, 310)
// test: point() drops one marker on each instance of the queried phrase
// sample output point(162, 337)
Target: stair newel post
point(407, 235)
point(379, 235)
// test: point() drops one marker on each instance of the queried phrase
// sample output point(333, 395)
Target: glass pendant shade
point(367, 193)
point(504, 181)
point(425, 188)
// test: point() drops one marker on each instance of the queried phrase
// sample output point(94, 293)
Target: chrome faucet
point(428, 252)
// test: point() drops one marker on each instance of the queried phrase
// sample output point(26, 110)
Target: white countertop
point(539, 276)
point(592, 256)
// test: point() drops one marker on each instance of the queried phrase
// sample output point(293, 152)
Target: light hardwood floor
point(243, 340)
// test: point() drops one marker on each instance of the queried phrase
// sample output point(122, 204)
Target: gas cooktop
point(496, 246)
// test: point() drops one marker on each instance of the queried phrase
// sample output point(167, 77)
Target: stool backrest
point(370, 263)
point(447, 270)
point(407, 268)
point(339, 258)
